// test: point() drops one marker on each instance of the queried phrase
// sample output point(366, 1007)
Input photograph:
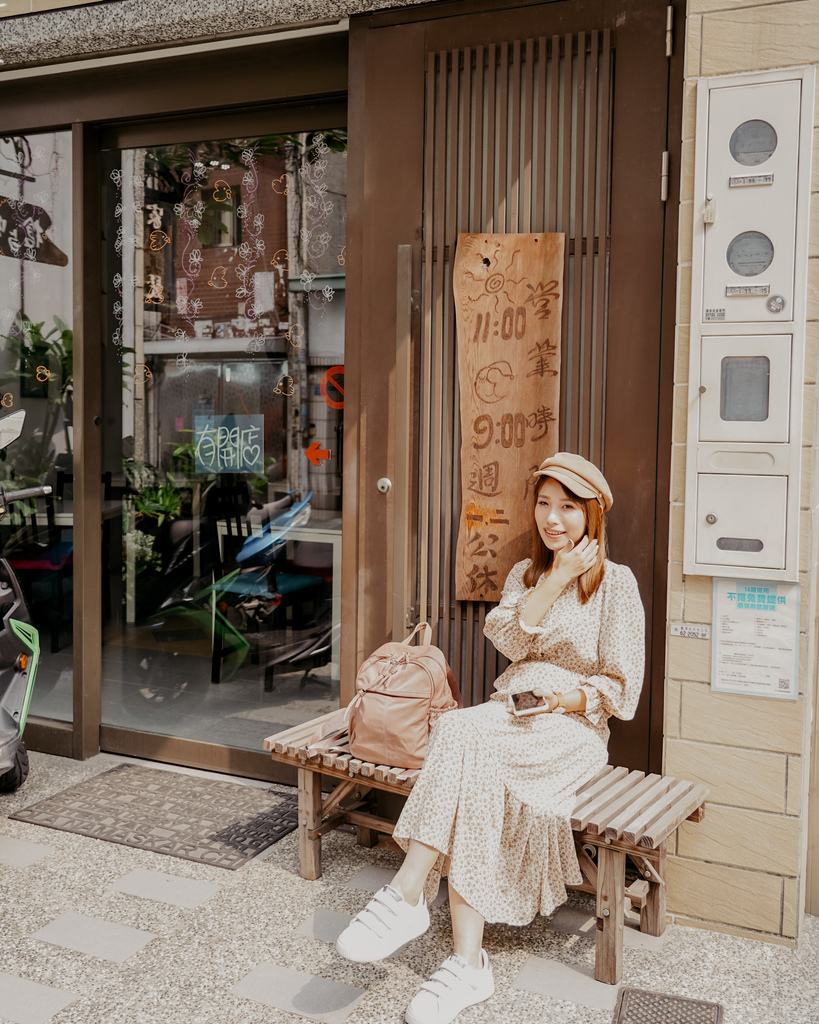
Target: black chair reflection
point(278, 607)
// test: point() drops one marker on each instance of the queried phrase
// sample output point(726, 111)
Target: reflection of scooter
point(19, 641)
point(277, 518)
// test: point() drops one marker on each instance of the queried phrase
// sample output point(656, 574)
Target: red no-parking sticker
point(333, 381)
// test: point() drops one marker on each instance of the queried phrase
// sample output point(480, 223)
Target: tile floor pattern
point(96, 933)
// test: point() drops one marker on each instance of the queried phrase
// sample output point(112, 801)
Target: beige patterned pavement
point(96, 933)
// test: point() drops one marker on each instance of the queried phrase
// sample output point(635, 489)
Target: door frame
point(266, 86)
point(391, 48)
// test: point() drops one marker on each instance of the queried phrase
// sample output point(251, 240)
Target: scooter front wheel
point(18, 773)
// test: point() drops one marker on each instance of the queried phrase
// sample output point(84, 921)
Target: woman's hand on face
point(572, 562)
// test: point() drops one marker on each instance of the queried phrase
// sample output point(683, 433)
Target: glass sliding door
point(223, 414)
point(37, 376)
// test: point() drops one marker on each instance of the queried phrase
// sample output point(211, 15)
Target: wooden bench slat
point(301, 731)
point(675, 816)
point(601, 819)
point(634, 832)
point(276, 741)
point(595, 788)
point(603, 798)
point(643, 799)
point(607, 770)
point(296, 743)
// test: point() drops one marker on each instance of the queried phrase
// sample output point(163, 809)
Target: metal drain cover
point(636, 1006)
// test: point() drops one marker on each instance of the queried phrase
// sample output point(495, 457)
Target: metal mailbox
point(749, 293)
point(751, 179)
point(741, 517)
point(745, 388)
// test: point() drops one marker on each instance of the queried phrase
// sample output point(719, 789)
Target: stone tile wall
point(11, 8)
point(744, 867)
point(48, 31)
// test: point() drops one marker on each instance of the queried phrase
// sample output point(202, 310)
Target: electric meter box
point(748, 306)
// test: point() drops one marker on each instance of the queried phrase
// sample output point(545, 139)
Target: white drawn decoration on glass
point(116, 335)
point(318, 208)
point(189, 213)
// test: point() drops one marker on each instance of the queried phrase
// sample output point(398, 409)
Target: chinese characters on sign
point(229, 444)
point(756, 639)
point(508, 301)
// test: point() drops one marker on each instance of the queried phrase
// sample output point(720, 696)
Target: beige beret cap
point(581, 477)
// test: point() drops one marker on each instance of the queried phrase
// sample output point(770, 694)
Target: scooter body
point(19, 642)
point(19, 656)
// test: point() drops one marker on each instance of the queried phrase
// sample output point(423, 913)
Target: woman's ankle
point(411, 894)
point(470, 957)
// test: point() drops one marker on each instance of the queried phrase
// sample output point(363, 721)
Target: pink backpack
point(401, 691)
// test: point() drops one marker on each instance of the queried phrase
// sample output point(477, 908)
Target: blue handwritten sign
point(229, 444)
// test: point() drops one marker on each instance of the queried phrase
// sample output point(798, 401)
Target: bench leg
point(309, 819)
point(365, 836)
point(611, 893)
point(652, 915)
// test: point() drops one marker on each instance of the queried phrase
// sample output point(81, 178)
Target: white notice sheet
point(755, 639)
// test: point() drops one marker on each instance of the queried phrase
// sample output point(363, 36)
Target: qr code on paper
point(784, 684)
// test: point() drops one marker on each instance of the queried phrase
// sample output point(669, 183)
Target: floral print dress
point(496, 793)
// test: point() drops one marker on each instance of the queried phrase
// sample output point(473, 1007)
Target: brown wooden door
point(544, 118)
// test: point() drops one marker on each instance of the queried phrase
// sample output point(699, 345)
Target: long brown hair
point(542, 557)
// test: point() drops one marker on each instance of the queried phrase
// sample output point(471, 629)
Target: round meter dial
point(750, 254)
point(753, 142)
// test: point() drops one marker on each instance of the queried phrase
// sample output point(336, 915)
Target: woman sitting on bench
point(492, 805)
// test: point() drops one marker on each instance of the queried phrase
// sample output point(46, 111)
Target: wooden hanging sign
point(508, 302)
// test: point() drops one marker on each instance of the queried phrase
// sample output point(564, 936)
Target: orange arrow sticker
point(315, 453)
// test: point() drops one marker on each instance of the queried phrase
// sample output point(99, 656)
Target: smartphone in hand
point(527, 703)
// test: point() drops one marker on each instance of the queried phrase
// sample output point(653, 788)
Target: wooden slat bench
point(620, 816)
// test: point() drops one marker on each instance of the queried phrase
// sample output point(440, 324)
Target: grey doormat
point(635, 1006)
point(205, 820)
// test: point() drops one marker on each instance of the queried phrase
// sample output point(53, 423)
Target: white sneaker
point(386, 924)
point(453, 987)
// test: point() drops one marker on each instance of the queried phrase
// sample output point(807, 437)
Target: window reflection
point(225, 268)
point(37, 375)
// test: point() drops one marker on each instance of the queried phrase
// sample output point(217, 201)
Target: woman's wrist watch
point(560, 702)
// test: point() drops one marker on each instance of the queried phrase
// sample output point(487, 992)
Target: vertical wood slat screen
point(517, 140)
